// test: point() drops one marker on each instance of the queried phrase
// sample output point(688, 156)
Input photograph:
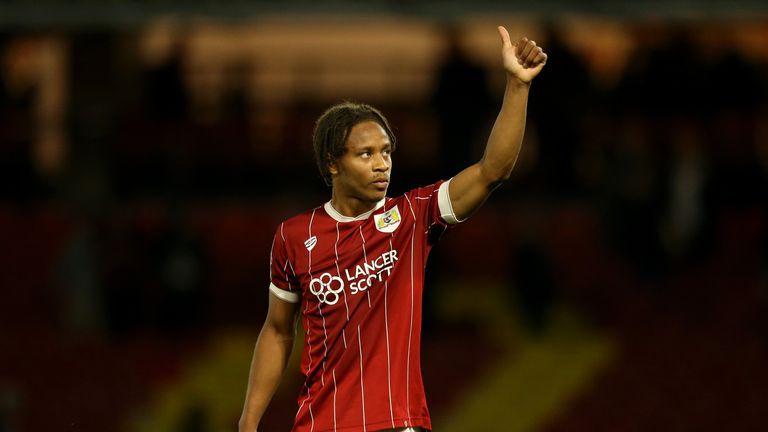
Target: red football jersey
point(360, 281)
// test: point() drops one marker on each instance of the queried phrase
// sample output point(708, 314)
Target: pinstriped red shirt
point(360, 281)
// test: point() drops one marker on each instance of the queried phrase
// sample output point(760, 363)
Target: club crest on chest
point(388, 221)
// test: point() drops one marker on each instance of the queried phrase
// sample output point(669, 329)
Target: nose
point(380, 163)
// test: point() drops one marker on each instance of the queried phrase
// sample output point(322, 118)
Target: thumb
point(504, 34)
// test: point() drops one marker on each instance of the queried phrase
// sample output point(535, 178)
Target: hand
point(523, 59)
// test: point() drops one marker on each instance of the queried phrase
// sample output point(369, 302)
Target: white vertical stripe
point(410, 331)
point(302, 403)
point(333, 372)
point(309, 395)
point(285, 270)
point(290, 266)
point(271, 252)
point(338, 272)
point(309, 344)
point(386, 332)
point(287, 261)
point(325, 345)
point(362, 387)
point(365, 258)
point(308, 335)
point(368, 295)
point(308, 339)
point(319, 305)
point(312, 428)
point(310, 235)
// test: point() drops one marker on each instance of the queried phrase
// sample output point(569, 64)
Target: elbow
point(283, 332)
point(496, 175)
point(505, 175)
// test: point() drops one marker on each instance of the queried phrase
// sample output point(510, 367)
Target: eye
point(365, 154)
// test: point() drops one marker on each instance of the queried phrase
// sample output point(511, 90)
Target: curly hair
point(329, 138)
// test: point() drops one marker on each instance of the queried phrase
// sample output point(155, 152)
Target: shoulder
point(433, 201)
point(297, 226)
point(416, 200)
point(421, 196)
point(424, 191)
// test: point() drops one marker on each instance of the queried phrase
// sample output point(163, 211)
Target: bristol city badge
point(387, 221)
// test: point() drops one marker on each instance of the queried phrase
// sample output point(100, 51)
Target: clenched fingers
point(529, 54)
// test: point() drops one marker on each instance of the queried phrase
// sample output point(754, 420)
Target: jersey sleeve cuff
point(285, 295)
point(444, 203)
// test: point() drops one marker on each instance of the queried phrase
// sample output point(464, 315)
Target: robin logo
point(388, 221)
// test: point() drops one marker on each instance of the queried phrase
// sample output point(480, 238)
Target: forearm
point(506, 137)
point(270, 357)
point(472, 186)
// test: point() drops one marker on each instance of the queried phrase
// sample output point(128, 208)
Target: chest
point(350, 251)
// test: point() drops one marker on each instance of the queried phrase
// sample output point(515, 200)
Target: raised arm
point(523, 60)
point(273, 349)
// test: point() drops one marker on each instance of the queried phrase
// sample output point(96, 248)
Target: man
point(354, 267)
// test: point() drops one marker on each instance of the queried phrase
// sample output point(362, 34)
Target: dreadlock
point(329, 138)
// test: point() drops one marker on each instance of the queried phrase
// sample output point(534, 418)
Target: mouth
point(381, 183)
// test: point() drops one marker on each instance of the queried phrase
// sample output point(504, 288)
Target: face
point(363, 171)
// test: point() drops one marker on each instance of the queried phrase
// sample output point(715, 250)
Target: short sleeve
point(282, 278)
point(445, 207)
point(431, 206)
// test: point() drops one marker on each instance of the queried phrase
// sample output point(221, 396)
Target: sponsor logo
point(310, 243)
point(387, 221)
point(327, 288)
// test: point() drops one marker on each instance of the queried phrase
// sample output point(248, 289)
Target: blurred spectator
point(531, 275)
point(462, 102)
point(687, 227)
point(665, 76)
point(79, 281)
point(181, 271)
point(19, 180)
point(126, 276)
point(738, 178)
point(164, 95)
point(8, 409)
point(635, 198)
point(563, 98)
point(194, 419)
point(674, 148)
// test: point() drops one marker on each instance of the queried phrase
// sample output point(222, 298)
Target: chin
point(377, 196)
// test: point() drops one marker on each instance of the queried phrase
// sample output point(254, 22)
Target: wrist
point(513, 81)
point(248, 425)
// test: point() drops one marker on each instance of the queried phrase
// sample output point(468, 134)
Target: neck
point(351, 206)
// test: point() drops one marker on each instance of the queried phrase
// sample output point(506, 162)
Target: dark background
point(148, 150)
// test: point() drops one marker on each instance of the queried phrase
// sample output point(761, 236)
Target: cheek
point(353, 170)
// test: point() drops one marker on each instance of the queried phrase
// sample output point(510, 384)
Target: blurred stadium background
point(148, 149)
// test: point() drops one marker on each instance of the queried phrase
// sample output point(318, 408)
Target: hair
point(329, 138)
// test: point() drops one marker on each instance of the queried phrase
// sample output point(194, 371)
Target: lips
point(383, 182)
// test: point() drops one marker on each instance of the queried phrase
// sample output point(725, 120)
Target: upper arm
point(469, 189)
point(281, 316)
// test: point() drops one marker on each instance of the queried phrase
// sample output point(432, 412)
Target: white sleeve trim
point(445, 205)
point(289, 296)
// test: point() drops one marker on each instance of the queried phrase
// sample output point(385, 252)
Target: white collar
point(332, 212)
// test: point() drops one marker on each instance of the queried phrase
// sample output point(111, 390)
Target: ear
point(333, 168)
